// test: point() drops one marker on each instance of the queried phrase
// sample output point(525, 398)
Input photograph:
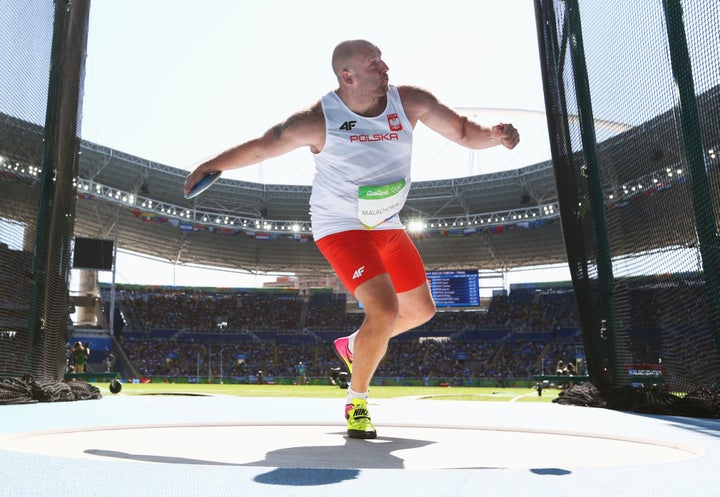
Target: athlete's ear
point(347, 77)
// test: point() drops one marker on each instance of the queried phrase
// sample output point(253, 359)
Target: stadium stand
point(227, 336)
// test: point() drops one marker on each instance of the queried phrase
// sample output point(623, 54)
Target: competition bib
point(379, 203)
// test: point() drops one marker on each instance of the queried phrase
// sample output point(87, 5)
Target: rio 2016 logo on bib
point(377, 204)
point(394, 122)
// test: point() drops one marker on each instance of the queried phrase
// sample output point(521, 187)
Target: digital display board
point(454, 288)
point(93, 253)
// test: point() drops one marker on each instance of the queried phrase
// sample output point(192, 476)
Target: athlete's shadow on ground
point(304, 466)
point(299, 466)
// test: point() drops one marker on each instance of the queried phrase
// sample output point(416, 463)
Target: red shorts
point(358, 255)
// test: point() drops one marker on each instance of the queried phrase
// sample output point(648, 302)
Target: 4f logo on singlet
point(348, 125)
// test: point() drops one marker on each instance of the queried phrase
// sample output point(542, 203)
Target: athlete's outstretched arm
point(304, 128)
point(421, 105)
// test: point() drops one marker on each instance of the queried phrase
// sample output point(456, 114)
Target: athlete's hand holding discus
point(200, 186)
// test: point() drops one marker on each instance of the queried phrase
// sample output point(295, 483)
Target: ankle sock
point(352, 394)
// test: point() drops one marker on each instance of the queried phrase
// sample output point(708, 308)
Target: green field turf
point(327, 391)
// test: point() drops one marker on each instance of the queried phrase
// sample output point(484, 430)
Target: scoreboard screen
point(454, 288)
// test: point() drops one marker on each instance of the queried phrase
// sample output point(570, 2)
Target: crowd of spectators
point(202, 310)
point(453, 345)
point(15, 290)
point(519, 335)
point(428, 359)
point(198, 310)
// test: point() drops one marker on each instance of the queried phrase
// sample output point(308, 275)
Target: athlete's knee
point(417, 306)
point(422, 312)
point(383, 313)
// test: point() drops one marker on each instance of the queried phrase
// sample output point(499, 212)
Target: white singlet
point(362, 174)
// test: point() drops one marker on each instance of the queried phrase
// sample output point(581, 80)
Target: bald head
point(346, 51)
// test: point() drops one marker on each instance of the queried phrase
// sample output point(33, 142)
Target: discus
point(202, 185)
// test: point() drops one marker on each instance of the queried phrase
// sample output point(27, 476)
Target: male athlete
point(361, 137)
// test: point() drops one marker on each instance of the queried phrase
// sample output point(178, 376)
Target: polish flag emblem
point(394, 122)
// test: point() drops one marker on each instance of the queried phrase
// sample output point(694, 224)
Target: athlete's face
point(371, 71)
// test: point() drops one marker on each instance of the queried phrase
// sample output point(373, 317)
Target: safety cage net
point(632, 97)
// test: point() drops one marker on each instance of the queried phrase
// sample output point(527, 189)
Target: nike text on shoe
point(358, 420)
point(343, 352)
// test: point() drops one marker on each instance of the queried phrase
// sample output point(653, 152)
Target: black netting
point(26, 390)
point(42, 54)
point(702, 402)
point(632, 96)
point(25, 46)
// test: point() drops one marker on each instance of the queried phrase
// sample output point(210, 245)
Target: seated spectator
point(561, 369)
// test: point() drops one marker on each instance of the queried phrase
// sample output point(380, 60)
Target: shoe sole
point(365, 435)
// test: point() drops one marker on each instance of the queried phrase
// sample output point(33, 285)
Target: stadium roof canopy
point(493, 221)
point(260, 227)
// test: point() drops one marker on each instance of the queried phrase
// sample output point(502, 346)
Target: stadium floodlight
point(416, 226)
